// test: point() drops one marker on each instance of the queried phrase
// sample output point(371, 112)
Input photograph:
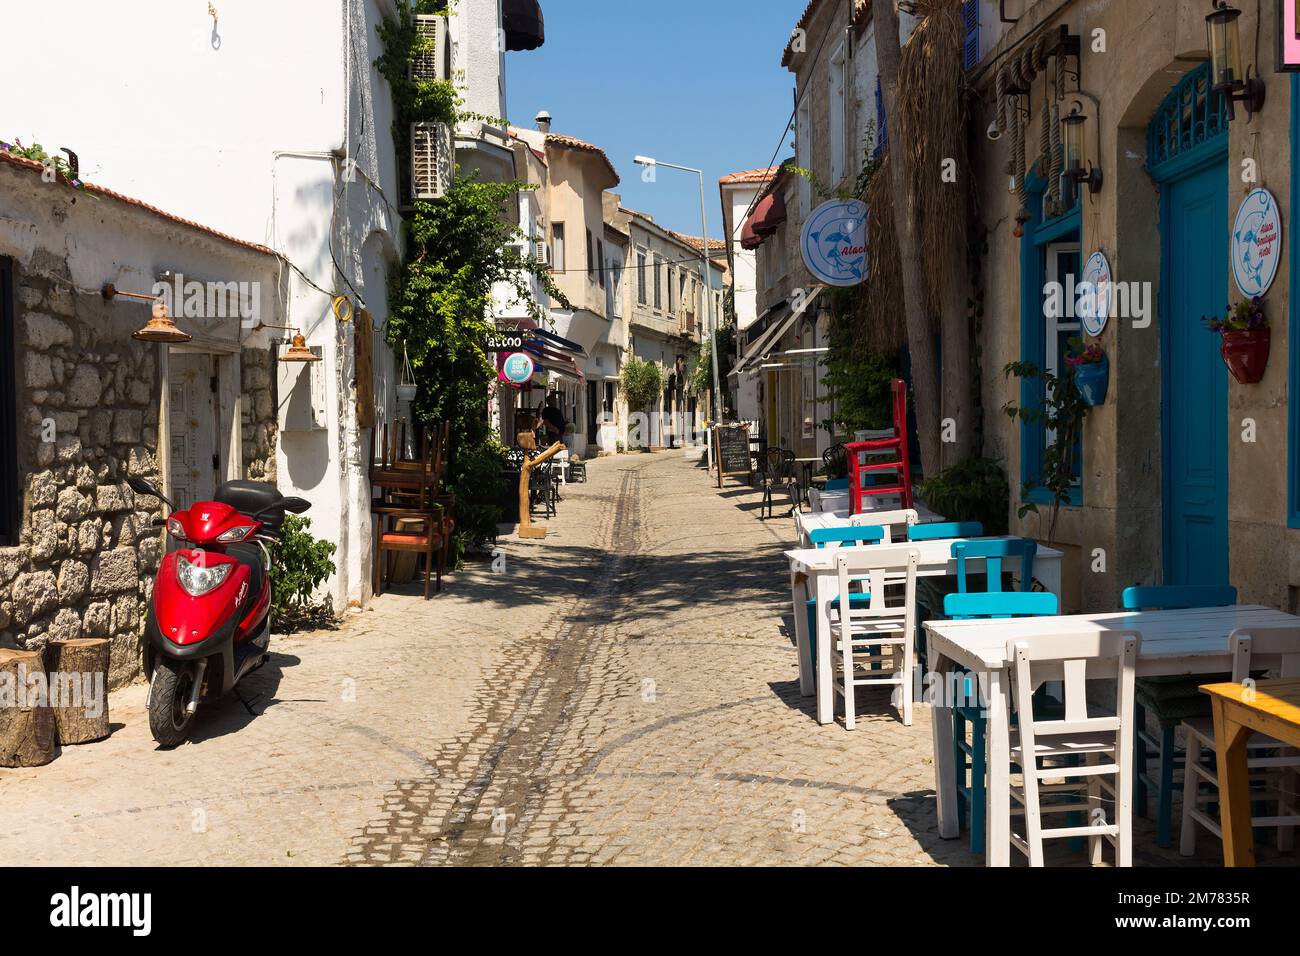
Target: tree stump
point(26, 720)
point(79, 669)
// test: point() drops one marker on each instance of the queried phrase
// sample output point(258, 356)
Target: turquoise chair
point(945, 529)
point(837, 484)
point(1171, 700)
point(965, 607)
point(993, 553)
point(856, 535)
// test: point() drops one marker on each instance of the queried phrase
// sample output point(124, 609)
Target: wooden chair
point(1102, 787)
point(969, 710)
point(1274, 767)
point(408, 491)
point(1170, 701)
point(873, 646)
point(890, 456)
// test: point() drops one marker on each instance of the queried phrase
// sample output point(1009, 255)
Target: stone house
point(87, 405)
point(667, 316)
point(1186, 476)
point(839, 122)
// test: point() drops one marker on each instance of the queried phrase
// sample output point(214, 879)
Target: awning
point(759, 351)
point(763, 221)
point(547, 338)
point(524, 27)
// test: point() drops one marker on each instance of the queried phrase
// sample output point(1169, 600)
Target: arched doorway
point(1187, 155)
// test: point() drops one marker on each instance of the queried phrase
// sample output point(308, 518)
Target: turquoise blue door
point(1195, 254)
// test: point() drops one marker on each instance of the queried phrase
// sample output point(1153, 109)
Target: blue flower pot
point(1092, 380)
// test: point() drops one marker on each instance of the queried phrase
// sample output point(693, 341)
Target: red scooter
point(209, 624)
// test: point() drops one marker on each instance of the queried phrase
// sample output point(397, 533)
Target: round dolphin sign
point(834, 242)
point(518, 368)
point(1256, 243)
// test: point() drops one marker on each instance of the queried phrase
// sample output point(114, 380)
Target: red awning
point(763, 221)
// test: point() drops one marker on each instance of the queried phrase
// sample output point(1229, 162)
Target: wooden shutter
point(365, 369)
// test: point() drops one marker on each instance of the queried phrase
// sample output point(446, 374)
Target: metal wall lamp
point(298, 350)
point(1074, 152)
point(1226, 74)
point(160, 327)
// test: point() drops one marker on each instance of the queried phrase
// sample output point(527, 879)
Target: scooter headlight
point(235, 534)
point(198, 580)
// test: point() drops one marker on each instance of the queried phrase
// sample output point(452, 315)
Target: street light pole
point(720, 412)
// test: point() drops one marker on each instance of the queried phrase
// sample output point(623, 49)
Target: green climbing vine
point(458, 249)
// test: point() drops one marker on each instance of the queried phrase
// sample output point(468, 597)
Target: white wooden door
point(193, 414)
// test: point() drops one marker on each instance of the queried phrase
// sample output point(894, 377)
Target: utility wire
point(795, 112)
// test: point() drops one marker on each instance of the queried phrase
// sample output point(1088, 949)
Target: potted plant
point(1091, 371)
point(1245, 344)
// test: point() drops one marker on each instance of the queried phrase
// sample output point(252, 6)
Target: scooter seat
point(250, 497)
point(250, 556)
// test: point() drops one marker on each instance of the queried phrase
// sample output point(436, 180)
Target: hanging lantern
point(1227, 74)
point(1074, 170)
point(298, 351)
point(160, 328)
point(406, 387)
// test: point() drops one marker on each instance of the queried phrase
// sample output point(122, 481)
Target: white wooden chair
point(1102, 785)
point(902, 520)
point(873, 644)
point(1274, 767)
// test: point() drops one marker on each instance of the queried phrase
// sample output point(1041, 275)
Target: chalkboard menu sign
point(731, 451)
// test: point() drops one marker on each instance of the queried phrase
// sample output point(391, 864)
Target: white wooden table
point(813, 575)
point(806, 522)
point(1193, 641)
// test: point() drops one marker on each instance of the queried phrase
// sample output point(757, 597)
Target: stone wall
point(259, 421)
point(87, 418)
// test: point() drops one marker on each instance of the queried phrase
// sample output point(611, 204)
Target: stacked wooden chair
point(412, 512)
point(887, 456)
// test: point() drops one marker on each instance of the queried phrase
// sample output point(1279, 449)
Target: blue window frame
point(882, 127)
point(1293, 338)
point(970, 50)
point(1048, 250)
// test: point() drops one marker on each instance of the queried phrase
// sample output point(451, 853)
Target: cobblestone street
point(625, 691)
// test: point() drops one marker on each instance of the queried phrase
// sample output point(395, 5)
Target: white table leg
point(825, 587)
point(945, 769)
point(998, 845)
point(799, 598)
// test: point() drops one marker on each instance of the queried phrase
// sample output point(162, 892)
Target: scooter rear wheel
point(173, 683)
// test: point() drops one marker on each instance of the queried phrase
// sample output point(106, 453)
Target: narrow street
point(624, 692)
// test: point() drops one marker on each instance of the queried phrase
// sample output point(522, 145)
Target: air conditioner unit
point(542, 254)
point(431, 160)
point(430, 63)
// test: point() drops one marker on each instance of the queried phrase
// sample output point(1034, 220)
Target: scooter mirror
point(295, 505)
point(142, 487)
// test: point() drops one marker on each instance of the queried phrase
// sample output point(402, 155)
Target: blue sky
point(693, 82)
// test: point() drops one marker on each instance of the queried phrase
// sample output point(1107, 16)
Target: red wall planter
point(1246, 354)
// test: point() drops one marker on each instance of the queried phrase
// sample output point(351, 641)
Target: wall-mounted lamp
point(298, 351)
point(1226, 73)
point(1074, 152)
point(160, 327)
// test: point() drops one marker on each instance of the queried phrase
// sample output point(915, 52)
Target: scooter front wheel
point(169, 698)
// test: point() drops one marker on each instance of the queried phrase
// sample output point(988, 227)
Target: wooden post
point(84, 661)
point(26, 721)
point(526, 529)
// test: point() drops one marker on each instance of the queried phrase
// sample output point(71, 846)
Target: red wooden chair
point(882, 455)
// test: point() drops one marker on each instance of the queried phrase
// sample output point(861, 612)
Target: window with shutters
point(557, 246)
point(970, 16)
point(640, 278)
